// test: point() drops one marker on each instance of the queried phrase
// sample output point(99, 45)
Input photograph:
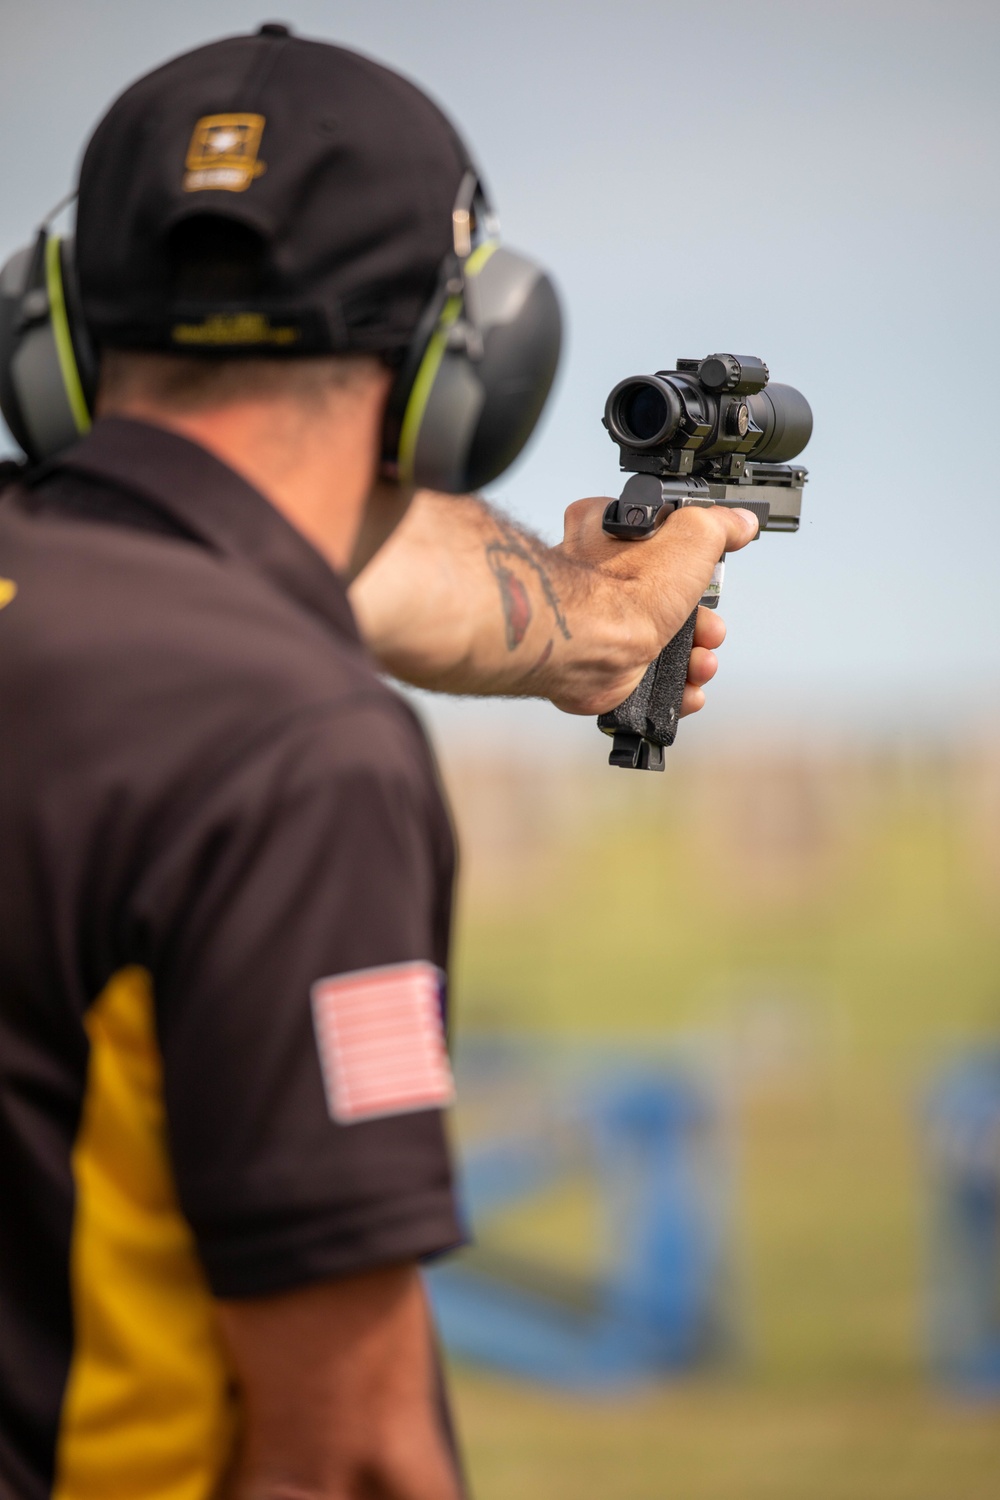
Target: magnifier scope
point(709, 408)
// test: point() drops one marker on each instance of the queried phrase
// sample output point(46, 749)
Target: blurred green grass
point(829, 927)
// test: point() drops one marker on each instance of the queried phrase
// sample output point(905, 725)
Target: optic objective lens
point(643, 412)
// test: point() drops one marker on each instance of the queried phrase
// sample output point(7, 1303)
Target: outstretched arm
point(462, 600)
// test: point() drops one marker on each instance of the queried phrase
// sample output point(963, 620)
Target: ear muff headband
point(61, 332)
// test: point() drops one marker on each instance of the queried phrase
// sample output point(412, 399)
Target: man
point(227, 867)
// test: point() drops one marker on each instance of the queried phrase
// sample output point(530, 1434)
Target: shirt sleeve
point(324, 853)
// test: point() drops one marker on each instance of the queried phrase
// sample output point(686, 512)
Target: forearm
point(461, 600)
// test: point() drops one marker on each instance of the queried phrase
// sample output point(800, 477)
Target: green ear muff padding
point(63, 335)
point(470, 413)
point(423, 385)
point(46, 370)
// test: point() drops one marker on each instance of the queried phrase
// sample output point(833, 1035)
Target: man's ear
point(385, 507)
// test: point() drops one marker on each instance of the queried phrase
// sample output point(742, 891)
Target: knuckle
point(578, 511)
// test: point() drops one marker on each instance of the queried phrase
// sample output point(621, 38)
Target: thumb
point(677, 562)
point(742, 526)
point(701, 534)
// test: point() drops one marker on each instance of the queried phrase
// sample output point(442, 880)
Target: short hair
point(186, 383)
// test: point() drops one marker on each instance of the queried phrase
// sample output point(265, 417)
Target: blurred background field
point(825, 926)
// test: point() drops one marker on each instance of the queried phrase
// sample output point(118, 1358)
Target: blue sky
point(815, 184)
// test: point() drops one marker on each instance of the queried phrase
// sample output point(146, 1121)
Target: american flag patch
point(381, 1041)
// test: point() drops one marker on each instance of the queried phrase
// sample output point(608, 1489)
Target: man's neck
point(315, 462)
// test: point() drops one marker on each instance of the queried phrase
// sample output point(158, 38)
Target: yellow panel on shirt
point(149, 1409)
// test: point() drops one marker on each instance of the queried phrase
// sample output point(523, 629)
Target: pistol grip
point(646, 722)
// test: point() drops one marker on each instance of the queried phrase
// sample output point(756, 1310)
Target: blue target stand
point(962, 1120)
point(648, 1137)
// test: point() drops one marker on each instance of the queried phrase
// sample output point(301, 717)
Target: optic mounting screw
point(738, 420)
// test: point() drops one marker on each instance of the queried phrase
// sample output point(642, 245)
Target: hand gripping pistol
point(710, 432)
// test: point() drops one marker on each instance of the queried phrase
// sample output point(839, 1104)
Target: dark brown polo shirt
point(209, 804)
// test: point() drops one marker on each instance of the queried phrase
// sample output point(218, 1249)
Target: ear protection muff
point(466, 399)
point(47, 366)
point(481, 363)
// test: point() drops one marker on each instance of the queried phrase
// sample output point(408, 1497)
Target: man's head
point(267, 202)
point(261, 227)
point(267, 196)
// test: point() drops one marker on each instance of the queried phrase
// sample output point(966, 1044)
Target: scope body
point(711, 432)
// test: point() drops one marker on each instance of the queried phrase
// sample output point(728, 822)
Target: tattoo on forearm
point(516, 604)
point(514, 598)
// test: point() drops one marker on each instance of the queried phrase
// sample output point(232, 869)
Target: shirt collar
point(210, 501)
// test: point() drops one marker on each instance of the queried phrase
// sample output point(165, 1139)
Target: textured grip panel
point(653, 709)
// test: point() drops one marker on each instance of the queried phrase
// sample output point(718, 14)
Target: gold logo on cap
point(234, 328)
point(8, 588)
point(223, 153)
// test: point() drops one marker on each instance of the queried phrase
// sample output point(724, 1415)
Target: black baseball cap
point(338, 174)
